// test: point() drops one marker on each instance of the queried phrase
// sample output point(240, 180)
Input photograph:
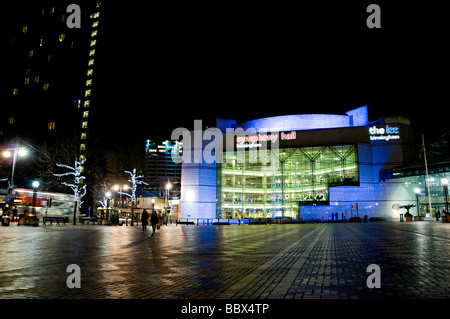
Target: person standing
point(144, 220)
point(154, 221)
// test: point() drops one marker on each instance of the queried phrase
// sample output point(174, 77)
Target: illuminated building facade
point(319, 165)
point(159, 168)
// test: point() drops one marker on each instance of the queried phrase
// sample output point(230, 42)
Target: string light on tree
point(134, 180)
point(78, 191)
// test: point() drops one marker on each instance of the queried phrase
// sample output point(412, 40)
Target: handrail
point(231, 221)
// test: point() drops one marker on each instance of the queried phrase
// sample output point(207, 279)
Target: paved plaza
point(290, 261)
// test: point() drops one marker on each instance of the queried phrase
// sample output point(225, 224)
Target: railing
point(234, 221)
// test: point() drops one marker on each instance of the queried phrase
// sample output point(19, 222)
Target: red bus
point(47, 203)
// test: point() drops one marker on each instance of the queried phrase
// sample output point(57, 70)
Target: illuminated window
point(84, 124)
point(87, 92)
point(85, 114)
point(49, 58)
point(89, 72)
point(52, 10)
point(36, 79)
point(25, 29)
point(95, 24)
point(89, 82)
point(40, 43)
point(93, 42)
point(93, 33)
point(87, 103)
point(82, 147)
point(30, 53)
point(51, 126)
point(15, 91)
point(63, 18)
point(45, 86)
point(83, 136)
point(27, 71)
point(92, 52)
point(62, 36)
point(11, 121)
point(91, 62)
point(26, 81)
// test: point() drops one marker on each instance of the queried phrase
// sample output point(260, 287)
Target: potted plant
point(408, 215)
point(445, 217)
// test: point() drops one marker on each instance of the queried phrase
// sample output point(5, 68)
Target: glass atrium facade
point(251, 189)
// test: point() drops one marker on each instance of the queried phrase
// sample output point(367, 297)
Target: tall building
point(159, 167)
point(50, 78)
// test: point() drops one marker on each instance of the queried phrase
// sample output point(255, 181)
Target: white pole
point(428, 180)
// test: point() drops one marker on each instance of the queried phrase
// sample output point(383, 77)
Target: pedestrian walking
point(154, 221)
point(144, 220)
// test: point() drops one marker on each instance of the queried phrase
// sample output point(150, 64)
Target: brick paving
point(308, 261)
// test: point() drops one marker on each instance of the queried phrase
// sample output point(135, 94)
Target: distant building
point(159, 167)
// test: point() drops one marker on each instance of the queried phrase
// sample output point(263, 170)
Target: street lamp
point(14, 153)
point(108, 198)
point(417, 191)
point(444, 182)
point(35, 185)
point(168, 187)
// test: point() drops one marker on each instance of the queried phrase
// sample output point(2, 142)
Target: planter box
point(445, 219)
point(409, 218)
point(418, 218)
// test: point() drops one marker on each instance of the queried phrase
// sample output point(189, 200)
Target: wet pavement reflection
point(229, 261)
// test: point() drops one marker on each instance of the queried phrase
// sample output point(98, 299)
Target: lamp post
point(108, 198)
point(15, 153)
point(444, 182)
point(417, 191)
point(168, 186)
point(35, 187)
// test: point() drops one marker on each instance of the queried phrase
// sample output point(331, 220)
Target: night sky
point(160, 66)
point(202, 61)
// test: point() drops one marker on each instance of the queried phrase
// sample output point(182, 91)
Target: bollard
point(401, 217)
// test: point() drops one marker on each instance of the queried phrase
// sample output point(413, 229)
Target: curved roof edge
point(298, 122)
